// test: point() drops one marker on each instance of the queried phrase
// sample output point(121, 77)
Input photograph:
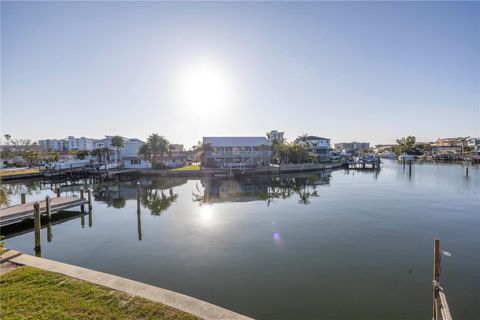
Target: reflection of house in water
point(117, 194)
point(261, 188)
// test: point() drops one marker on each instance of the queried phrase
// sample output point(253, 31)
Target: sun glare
point(205, 88)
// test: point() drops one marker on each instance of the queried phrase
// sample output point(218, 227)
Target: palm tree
point(144, 151)
point(7, 137)
point(158, 145)
point(202, 149)
point(304, 138)
point(117, 142)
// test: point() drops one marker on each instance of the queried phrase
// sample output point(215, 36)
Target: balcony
point(238, 154)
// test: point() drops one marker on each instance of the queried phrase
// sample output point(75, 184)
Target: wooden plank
point(23, 211)
point(444, 309)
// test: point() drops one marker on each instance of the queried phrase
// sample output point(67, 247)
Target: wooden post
point(90, 218)
point(436, 275)
point(466, 171)
point(37, 227)
point(138, 195)
point(23, 196)
point(82, 197)
point(58, 191)
point(139, 219)
point(82, 220)
point(49, 232)
point(48, 207)
point(89, 193)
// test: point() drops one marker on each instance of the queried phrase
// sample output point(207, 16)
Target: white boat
point(407, 157)
point(388, 155)
point(70, 164)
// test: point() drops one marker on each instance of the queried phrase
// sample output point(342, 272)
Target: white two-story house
point(231, 152)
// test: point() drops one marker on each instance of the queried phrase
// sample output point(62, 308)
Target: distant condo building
point(70, 143)
point(230, 152)
point(352, 147)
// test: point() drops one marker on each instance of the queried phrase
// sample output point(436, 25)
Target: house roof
point(131, 158)
point(315, 138)
point(236, 141)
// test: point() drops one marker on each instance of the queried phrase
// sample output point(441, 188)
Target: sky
point(364, 71)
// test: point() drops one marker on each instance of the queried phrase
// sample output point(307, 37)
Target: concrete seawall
point(173, 299)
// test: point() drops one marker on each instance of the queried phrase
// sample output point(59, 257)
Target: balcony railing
point(239, 154)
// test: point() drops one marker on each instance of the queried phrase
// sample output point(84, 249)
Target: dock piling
point(82, 197)
point(89, 193)
point(58, 192)
point(23, 197)
point(436, 273)
point(48, 207)
point(37, 227)
point(466, 171)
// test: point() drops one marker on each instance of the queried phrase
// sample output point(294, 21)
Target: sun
point(205, 88)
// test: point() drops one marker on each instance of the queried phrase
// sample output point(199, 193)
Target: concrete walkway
point(173, 299)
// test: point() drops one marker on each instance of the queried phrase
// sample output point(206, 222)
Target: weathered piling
point(82, 197)
point(90, 218)
point(58, 192)
point(37, 227)
point(466, 171)
point(48, 207)
point(139, 218)
point(49, 232)
point(23, 197)
point(89, 193)
point(436, 273)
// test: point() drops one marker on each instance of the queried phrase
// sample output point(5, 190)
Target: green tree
point(117, 142)
point(145, 152)
point(53, 155)
point(405, 145)
point(158, 146)
point(31, 156)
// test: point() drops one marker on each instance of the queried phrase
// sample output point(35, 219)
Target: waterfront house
point(317, 146)
point(134, 162)
point(474, 145)
point(175, 160)
point(231, 152)
point(129, 149)
point(352, 147)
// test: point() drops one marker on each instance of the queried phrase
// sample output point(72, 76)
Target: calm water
point(339, 245)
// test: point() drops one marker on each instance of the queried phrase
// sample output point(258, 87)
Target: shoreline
point(190, 305)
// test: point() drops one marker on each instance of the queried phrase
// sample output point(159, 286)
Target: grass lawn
point(192, 167)
point(29, 293)
point(12, 173)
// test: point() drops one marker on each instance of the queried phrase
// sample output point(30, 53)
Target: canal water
point(333, 245)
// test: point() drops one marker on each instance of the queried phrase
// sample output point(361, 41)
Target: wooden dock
point(363, 165)
point(18, 213)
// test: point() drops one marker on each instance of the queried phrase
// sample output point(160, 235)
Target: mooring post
point(58, 191)
point(48, 207)
point(82, 197)
point(139, 186)
point(89, 193)
point(37, 227)
point(436, 274)
point(49, 232)
point(90, 218)
point(466, 171)
point(23, 197)
point(82, 220)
